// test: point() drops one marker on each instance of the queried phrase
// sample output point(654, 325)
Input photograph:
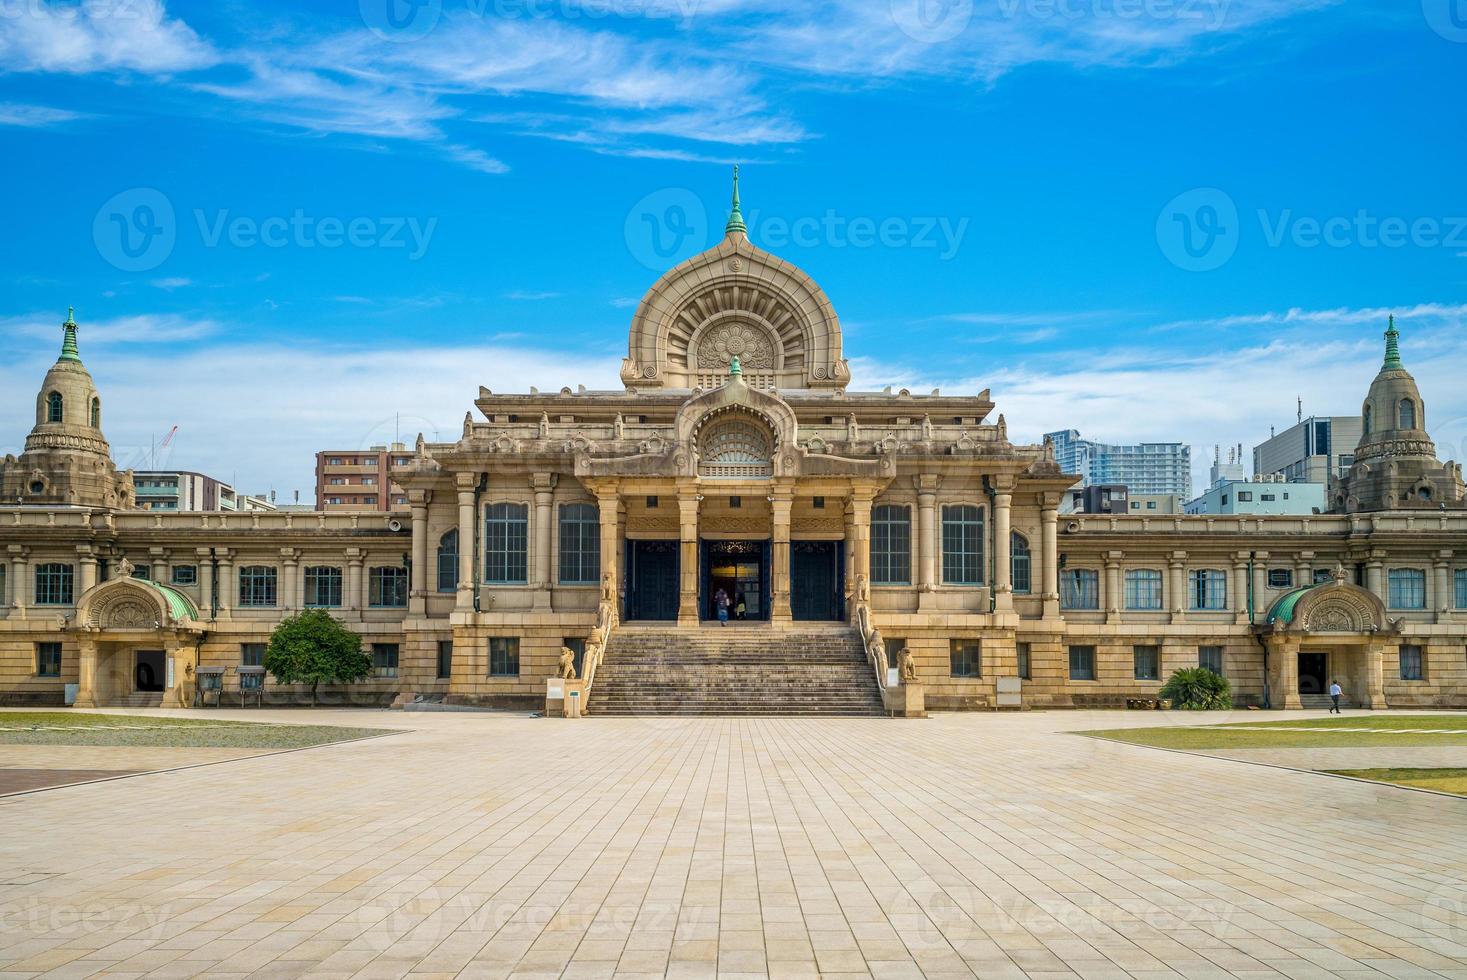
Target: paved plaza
point(492, 845)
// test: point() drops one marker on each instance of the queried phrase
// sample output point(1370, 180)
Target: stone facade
point(736, 458)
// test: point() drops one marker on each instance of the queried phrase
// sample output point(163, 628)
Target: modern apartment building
point(184, 490)
point(361, 479)
point(1148, 467)
point(1316, 450)
point(1261, 495)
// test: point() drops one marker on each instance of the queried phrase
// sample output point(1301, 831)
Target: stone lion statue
point(567, 664)
point(907, 664)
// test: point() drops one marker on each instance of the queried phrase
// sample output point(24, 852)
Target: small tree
point(313, 648)
point(1198, 689)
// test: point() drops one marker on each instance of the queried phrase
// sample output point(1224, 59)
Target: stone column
point(1304, 569)
point(418, 582)
point(1443, 592)
point(205, 566)
point(1238, 601)
point(1111, 601)
point(290, 578)
point(608, 502)
point(781, 506)
point(226, 580)
point(688, 612)
point(1177, 586)
point(1003, 569)
point(86, 675)
point(1049, 560)
point(1373, 695)
point(19, 588)
point(1287, 695)
point(88, 562)
point(926, 486)
point(158, 564)
point(1375, 576)
point(859, 531)
point(543, 485)
point(353, 597)
point(1260, 588)
point(465, 484)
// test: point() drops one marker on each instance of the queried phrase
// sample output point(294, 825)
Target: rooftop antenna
point(1301, 409)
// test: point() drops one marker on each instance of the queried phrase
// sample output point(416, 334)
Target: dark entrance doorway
point(740, 568)
point(652, 589)
point(817, 580)
point(147, 674)
point(1313, 672)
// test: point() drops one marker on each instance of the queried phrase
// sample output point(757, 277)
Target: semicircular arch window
point(736, 449)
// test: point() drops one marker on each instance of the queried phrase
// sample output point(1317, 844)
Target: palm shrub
point(1198, 689)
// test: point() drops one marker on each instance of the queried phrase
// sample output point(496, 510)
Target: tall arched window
point(1023, 578)
point(1408, 414)
point(1365, 419)
point(96, 413)
point(448, 561)
point(580, 544)
point(736, 447)
point(53, 407)
point(506, 544)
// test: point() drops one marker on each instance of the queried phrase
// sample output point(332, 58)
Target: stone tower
point(66, 460)
point(1396, 466)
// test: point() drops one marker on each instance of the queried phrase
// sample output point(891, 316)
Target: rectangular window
point(1080, 588)
point(580, 544)
point(445, 659)
point(506, 544)
point(1245, 496)
point(1412, 665)
point(1143, 588)
point(48, 659)
point(1021, 564)
point(252, 654)
point(185, 574)
point(891, 545)
point(3, 600)
point(1025, 665)
point(962, 545)
point(387, 588)
point(323, 586)
point(384, 659)
point(257, 585)
point(1209, 589)
point(1407, 588)
point(965, 658)
point(1280, 578)
point(504, 656)
point(1147, 663)
point(1460, 583)
point(1323, 576)
point(54, 584)
point(1210, 658)
point(1082, 663)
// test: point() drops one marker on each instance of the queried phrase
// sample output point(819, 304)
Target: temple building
point(873, 551)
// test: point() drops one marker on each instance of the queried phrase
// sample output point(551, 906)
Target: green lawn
point(79, 728)
point(1443, 780)
point(1268, 734)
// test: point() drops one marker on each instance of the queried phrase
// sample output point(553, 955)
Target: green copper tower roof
point(1393, 350)
point(69, 351)
point(736, 216)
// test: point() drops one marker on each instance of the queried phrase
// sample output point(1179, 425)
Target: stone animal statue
point(907, 665)
point(567, 664)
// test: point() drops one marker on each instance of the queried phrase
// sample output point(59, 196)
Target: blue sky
point(290, 227)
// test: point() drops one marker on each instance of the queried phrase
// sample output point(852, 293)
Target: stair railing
point(595, 651)
point(872, 643)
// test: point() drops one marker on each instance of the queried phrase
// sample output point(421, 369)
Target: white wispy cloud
point(144, 328)
point(75, 38)
point(35, 116)
point(529, 296)
point(170, 283)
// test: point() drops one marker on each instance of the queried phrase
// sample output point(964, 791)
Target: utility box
point(1010, 692)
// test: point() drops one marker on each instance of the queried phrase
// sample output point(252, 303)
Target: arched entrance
point(139, 644)
point(1333, 633)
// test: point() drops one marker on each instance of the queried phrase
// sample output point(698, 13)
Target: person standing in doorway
point(720, 603)
point(1334, 696)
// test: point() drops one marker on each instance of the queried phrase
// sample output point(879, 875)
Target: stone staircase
point(742, 669)
point(137, 699)
point(1321, 702)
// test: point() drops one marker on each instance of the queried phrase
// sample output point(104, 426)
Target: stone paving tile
point(493, 845)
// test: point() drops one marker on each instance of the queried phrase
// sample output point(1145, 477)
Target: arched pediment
point(735, 300)
point(1330, 608)
point(744, 421)
point(130, 604)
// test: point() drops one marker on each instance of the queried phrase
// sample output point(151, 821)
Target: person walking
point(720, 603)
point(1334, 696)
